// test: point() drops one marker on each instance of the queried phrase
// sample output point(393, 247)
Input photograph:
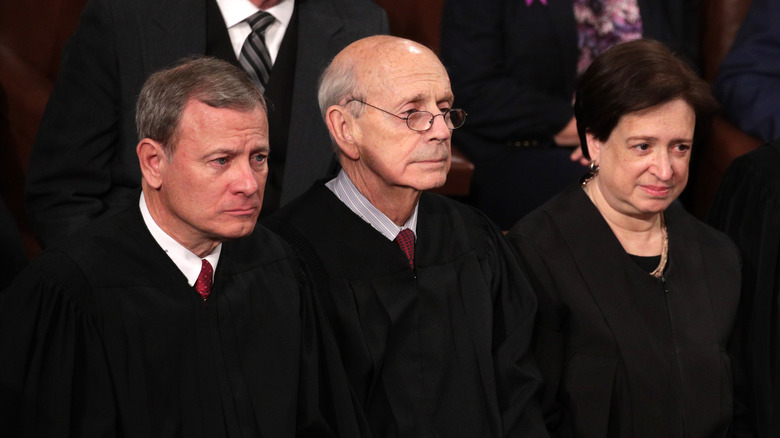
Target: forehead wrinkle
point(222, 151)
point(384, 65)
point(403, 87)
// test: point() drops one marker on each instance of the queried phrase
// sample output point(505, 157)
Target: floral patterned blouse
point(602, 24)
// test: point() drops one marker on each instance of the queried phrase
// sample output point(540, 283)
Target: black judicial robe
point(102, 336)
point(747, 208)
point(438, 351)
point(625, 354)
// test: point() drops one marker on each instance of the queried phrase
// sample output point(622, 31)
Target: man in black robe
point(120, 331)
point(433, 324)
point(747, 208)
point(83, 165)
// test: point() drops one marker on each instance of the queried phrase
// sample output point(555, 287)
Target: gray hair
point(338, 85)
point(165, 93)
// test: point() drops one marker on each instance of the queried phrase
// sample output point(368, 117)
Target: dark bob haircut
point(632, 77)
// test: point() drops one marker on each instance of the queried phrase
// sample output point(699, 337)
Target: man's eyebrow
point(222, 151)
point(414, 99)
point(449, 97)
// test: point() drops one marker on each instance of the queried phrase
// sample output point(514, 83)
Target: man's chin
point(433, 182)
point(238, 229)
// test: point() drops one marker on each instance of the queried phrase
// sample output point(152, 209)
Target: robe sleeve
point(548, 343)
point(518, 379)
point(327, 405)
point(53, 373)
point(747, 209)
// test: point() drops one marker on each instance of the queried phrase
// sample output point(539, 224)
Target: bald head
point(368, 95)
point(371, 62)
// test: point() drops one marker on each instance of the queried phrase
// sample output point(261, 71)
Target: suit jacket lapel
point(309, 152)
point(217, 39)
point(176, 30)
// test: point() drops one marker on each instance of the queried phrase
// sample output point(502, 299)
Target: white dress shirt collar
point(234, 12)
point(187, 262)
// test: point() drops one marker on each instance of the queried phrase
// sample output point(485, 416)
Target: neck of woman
point(641, 235)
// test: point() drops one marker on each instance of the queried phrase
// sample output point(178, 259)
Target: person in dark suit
point(637, 298)
point(431, 311)
point(178, 317)
point(747, 209)
point(748, 82)
point(83, 165)
point(514, 64)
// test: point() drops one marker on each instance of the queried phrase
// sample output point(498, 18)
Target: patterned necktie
point(254, 58)
point(203, 283)
point(405, 239)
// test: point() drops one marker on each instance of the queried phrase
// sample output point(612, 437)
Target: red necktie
point(405, 239)
point(203, 283)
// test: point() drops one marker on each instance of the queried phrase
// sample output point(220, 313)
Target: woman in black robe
point(637, 299)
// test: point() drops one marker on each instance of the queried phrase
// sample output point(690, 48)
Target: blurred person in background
point(748, 82)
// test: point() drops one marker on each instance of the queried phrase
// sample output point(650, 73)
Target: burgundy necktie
point(203, 283)
point(405, 239)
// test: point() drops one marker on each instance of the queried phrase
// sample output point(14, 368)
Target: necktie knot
point(260, 21)
point(203, 283)
point(405, 240)
point(254, 57)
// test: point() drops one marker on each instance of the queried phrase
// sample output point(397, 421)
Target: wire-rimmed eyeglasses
point(421, 121)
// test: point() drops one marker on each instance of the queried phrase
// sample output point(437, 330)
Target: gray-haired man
point(178, 317)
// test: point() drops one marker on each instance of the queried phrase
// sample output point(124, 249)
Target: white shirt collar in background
point(235, 12)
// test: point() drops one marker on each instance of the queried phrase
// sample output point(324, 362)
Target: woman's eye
point(642, 146)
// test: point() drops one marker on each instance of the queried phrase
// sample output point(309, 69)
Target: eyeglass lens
point(422, 120)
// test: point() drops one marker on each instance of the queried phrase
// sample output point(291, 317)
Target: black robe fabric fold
point(102, 336)
point(624, 353)
point(441, 350)
point(747, 208)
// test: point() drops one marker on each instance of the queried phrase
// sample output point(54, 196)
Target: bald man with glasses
point(432, 314)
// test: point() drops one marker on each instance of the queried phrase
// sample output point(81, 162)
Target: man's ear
point(343, 127)
point(152, 158)
point(594, 147)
